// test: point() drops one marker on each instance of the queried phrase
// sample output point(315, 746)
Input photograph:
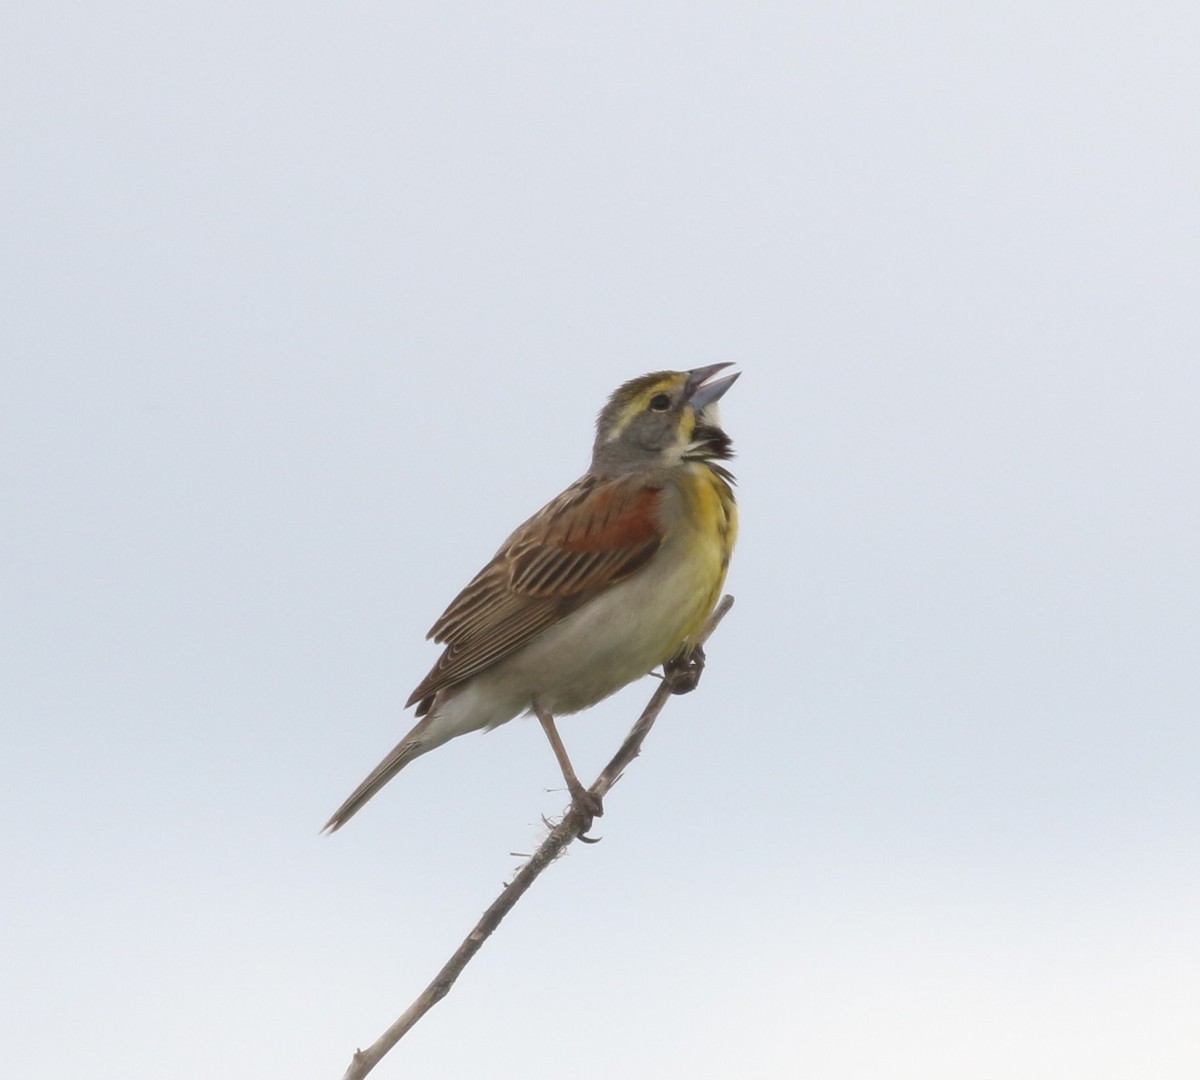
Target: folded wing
point(593, 535)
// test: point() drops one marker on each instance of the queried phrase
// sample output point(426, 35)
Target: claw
point(587, 807)
point(682, 673)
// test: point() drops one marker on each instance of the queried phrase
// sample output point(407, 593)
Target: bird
point(609, 580)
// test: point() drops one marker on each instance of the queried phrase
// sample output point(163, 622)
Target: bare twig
point(570, 828)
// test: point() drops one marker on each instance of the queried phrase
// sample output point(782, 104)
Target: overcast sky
point(306, 306)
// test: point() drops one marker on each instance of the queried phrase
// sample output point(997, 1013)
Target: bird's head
point(662, 419)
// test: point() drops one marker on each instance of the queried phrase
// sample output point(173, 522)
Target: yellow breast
point(709, 527)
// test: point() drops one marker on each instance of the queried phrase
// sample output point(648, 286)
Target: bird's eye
point(660, 402)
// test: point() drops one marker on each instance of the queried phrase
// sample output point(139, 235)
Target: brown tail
point(411, 747)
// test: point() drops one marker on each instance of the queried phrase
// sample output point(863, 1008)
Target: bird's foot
point(587, 806)
point(682, 673)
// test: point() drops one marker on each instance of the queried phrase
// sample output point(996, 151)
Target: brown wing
point(593, 535)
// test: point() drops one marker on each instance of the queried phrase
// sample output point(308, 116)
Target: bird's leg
point(586, 804)
point(682, 672)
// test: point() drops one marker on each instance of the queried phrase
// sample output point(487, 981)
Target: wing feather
point(595, 534)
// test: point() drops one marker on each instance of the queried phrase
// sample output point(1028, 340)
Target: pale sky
point(306, 306)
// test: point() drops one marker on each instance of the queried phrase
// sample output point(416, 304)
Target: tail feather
point(453, 713)
point(414, 744)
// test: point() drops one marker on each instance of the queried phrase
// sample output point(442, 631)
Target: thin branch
point(567, 830)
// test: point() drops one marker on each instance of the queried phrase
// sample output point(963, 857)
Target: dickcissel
point(609, 580)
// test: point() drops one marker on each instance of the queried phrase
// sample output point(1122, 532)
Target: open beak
point(701, 392)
